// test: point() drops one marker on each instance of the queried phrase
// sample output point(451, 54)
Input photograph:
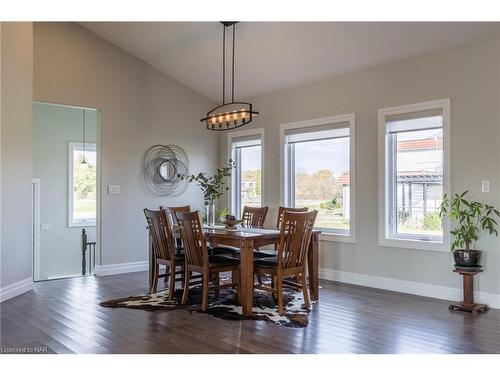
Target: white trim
point(349, 118)
point(36, 228)
point(409, 287)
point(383, 239)
point(115, 269)
point(245, 133)
point(89, 146)
point(15, 289)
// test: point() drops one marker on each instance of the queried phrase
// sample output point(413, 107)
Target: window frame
point(386, 189)
point(72, 146)
point(233, 202)
point(287, 178)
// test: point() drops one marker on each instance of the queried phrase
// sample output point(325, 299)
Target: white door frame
point(36, 228)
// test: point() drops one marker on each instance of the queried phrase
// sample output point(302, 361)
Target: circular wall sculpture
point(161, 167)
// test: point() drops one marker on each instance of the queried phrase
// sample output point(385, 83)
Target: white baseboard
point(115, 269)
point(13, 290)
point(409, 287)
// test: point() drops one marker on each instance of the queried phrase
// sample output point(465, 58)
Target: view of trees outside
point(84, 185)
point(322, 180)
point(419, 166)
point(251, 177)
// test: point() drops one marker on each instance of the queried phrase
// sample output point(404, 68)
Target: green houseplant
point(212, 187)
point(472, 218)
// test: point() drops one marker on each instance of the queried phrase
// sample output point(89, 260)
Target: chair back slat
point(160, 233)
point(254, 216)
point(282, 209)
point(295, 236)
point(195, 247)
point(172, 221)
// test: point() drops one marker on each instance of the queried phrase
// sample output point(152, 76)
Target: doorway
point(66, 193)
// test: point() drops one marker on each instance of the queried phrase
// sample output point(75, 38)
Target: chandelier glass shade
point(234, 114)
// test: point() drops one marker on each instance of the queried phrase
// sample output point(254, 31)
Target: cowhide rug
point(224, 306)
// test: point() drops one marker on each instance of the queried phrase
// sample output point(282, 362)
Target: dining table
point(247, 239)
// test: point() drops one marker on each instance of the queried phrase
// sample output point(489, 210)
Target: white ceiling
point(276, 55)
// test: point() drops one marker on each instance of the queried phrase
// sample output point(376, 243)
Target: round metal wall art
point(162, 165)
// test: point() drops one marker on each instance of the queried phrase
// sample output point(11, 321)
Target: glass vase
point(211, 213)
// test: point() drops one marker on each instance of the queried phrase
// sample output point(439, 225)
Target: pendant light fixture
point(234, 114)
point(84, 159)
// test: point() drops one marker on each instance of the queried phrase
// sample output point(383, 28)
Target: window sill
point(334, 237)
point(413, 244)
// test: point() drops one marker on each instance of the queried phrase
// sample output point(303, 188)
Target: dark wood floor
point(65, 317)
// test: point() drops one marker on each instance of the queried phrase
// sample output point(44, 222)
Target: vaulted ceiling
point(275, 55)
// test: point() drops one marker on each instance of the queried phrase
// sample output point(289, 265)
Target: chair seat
point(264, 254)
point(267, 262)
point(222, 261)
point(223, 250)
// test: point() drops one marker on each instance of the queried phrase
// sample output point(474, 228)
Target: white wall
point(16, 157)
point(470, 77)
point(53, 128)
point(140, 107)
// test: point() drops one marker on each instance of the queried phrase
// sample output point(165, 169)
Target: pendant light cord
point(232, 77)
point(224, 65)
point(83, 134)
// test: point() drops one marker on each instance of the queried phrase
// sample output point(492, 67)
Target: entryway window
point(413, 179)
point(82, 184)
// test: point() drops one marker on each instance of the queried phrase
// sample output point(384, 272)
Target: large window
point(413, 141)
point(82, 186)
point(319, 171)
point(246, 182)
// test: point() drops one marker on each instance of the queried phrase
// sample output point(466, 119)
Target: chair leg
point(217, 283)
point(259, 278)
point(171, 286)
point(166, 279)
point(305, 290)
point(204, 291)
point(273, 285)
point(185, 294)
point(155, 279)
point(238, 287)
point(279, 287)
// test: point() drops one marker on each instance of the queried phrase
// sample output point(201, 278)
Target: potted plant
point(212, 187)
point(472, 218)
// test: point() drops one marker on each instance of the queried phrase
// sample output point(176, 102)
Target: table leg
point(246, 269)
point(313, 265)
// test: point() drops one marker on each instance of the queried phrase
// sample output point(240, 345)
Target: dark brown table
point(248, 239)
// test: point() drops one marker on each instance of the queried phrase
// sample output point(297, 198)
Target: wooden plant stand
point(468, 303)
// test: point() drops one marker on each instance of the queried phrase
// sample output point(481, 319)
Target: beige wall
point(16, 157)
point(468, 76)
point(140, 107)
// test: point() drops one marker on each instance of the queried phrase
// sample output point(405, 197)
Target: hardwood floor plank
point(65, 317)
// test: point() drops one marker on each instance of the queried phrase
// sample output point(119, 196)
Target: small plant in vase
point(212, 187)
point(472, 218)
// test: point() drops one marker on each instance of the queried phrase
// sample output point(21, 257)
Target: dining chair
point(281, 211)
point(172, 222)
point(197, 259)
point(163, 251)
point(252, 217)
point(289, 267)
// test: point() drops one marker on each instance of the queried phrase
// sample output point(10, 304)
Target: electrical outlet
point(485, 186)
point(114, 189)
